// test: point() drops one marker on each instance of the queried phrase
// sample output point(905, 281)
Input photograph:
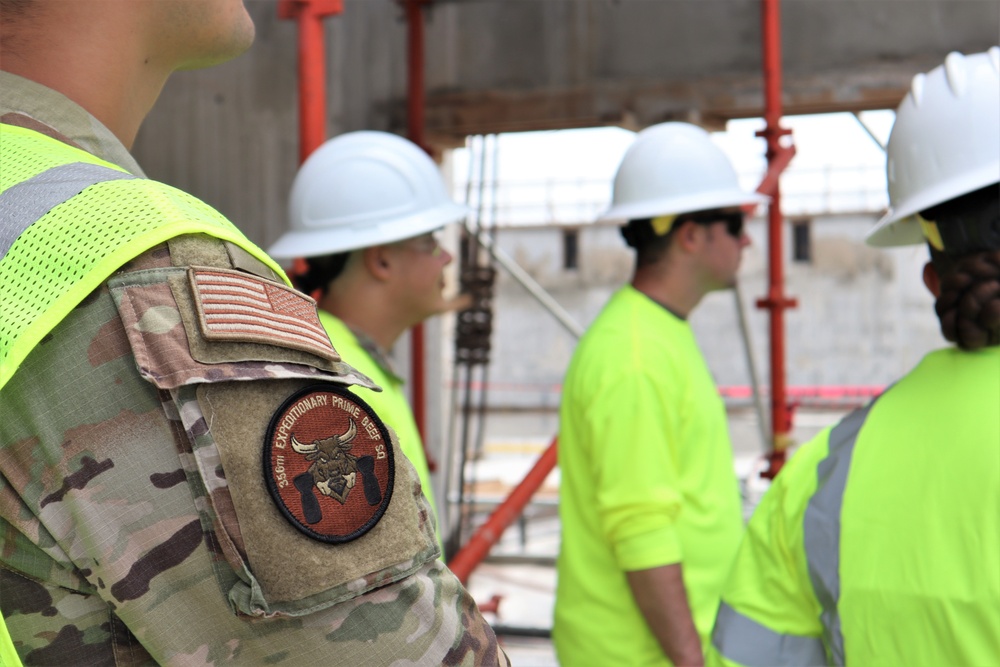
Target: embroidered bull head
point(334, 470)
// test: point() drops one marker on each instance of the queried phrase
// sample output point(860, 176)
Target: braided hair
point(968, 306)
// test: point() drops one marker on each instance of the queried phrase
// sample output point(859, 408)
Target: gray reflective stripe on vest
point(744, 640)
point(821, 526)
point(23, 204)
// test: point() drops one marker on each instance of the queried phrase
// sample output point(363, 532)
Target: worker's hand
point(458, 303)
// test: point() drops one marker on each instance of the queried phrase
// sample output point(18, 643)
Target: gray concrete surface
point(229, 134)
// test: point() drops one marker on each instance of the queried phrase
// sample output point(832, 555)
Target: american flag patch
point(240, 307)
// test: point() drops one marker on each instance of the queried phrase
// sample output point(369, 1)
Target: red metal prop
point(309, 15)
point(479, 545)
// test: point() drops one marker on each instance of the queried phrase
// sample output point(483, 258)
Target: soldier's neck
point(117, 84)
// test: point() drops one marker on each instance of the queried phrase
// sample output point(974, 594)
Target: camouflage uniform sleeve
point(143, 519)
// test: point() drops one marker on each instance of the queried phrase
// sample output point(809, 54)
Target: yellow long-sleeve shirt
point(647, 480)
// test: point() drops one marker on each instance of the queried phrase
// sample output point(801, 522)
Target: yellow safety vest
point(69, 220)
point(878, 543)
point(8, 656)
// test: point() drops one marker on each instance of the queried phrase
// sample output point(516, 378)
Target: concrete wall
point(864, 317)
point(634, 62)
point(229, 134)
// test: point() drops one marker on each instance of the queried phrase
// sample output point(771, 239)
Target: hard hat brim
point(319, 242)
point(673, 205)
point(899, 226)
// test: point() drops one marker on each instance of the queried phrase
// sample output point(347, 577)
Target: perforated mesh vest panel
point(68, 220)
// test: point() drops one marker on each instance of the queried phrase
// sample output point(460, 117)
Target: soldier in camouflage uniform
point(160, 500)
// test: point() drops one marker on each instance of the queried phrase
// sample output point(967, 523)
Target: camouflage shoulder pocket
point(304, 492)
point(185, 329)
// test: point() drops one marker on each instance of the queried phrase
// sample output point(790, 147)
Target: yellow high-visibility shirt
point(647, 480)
point(390, 403)
point(878, 544)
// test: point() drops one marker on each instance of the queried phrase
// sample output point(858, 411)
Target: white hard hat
point(363, 189)
point(674, 168)
point(945, 142)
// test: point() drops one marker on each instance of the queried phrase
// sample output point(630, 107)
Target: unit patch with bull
point(328, 463)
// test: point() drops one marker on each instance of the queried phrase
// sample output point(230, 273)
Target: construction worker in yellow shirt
point(878, 544)
point(649, 501)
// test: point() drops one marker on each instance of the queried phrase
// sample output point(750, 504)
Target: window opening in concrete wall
point(802, 240)
point(571, 249)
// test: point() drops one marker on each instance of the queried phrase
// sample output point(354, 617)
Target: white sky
point(565, 176)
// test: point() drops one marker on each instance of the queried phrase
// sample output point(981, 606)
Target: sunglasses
point(428, 244)
point(733, 220)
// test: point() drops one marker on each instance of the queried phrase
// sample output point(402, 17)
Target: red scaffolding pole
point(775, 301)
point(309, 15)
point(415, 103)
point(478, 547)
